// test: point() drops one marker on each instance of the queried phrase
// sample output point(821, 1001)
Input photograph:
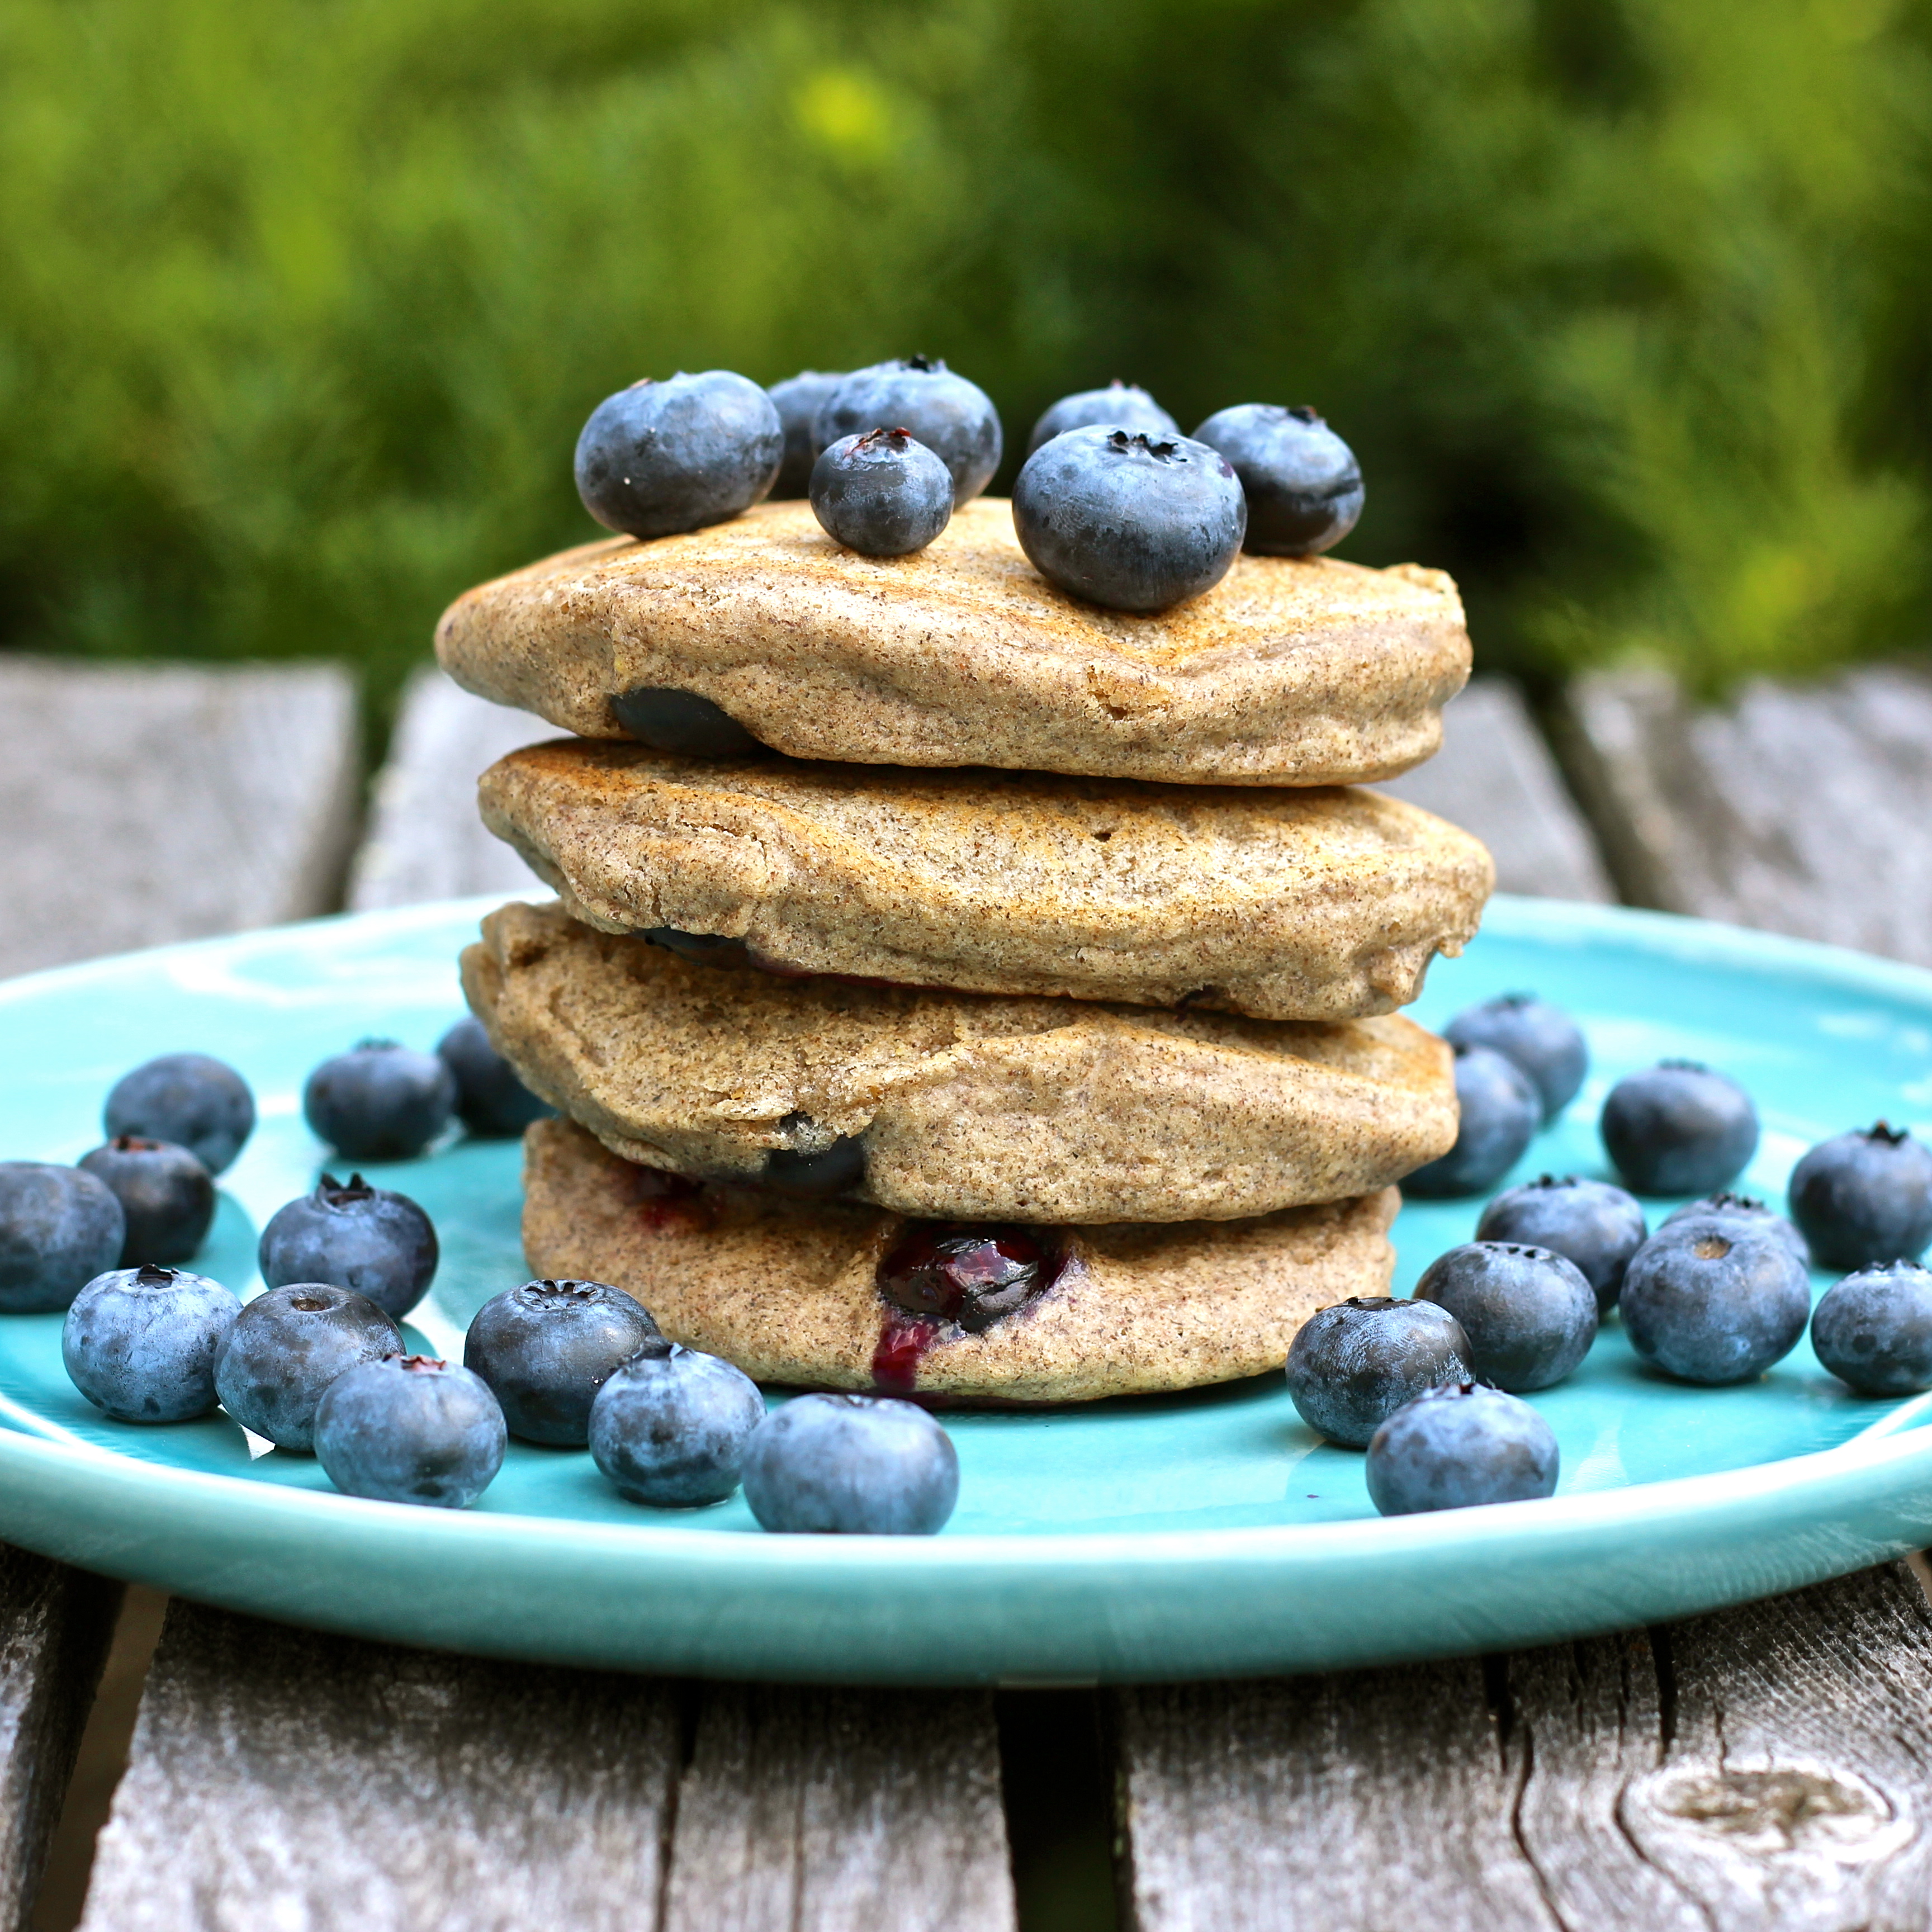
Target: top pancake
point(1289, 672)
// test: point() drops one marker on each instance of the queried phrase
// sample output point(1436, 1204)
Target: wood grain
point(1769, 1767)
point(55, 1627)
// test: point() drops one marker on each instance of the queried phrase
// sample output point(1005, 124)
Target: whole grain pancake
point(1289, 672)
point(942, 1103)
point(1280, 904)
point(791, 1293)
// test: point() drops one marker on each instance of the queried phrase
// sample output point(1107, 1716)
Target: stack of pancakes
point(938, 912)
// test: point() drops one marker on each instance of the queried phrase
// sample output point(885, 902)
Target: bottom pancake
point(792, 1294)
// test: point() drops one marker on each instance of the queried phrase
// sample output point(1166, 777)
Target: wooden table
point(1770, 1766)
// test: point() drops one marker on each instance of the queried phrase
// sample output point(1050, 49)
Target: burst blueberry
point(955, 419)
point(1873, 1329)
point(59, 1227)
point(1860, 1197)
point(1529, 1314)
point(546, 1348)
point(972, 1274)
point(1353, 1364)
point(140, 1342)
point(1591, 1223)
point(798, 400)
point(671, 1427)
point(1542, 1039)
point(490, 1100)
point(196, 1101)
point(1458, 1447)
point(663, 457)
point(1119, 406)
point(1132, 522)
point(380, 1101)
point(854, 1465)
point(1303, 484)
point(287, 1346)
point(372, 1240)
point(409, 1429)
point(166, 1195)
point(1722, 1208)
point(882, 493)
point(1497, 1113)
point(1713, 1305)
point(1678, 1128)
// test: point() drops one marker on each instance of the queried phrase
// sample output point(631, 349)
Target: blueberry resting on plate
point(196, 1101)
point(490, 1100)
point(370, 1239)
point(380, 1101)
point(1459, 1447)
point(1529, 1313)
point(955, 419)
point(659, 458)
point(1542, 1039)
point(798, 400)
point(854, 1465)
point(670, 1428)
point(140, 1343)
point(1302, 481)
point(1861, 1198)
point(166, 1195)
point(1714, 1304)
point(286, 1347)
point(1593, 1223)
point(546, 1348)
point(59, 1227)
point(1498, 1114)
point(882, 494)
point(1129, 521)
point(410, 1430)
point(1678, 1128)
point(1352, 1365)
point(1119, 406)
point(1873, 1329)
point(1743, 1209)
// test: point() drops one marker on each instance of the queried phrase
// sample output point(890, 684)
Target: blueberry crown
point(150, 1274)
point(1164, 450)
point(1886, 1135)
point(337, 1193)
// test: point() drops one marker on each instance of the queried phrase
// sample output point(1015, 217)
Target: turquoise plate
point(1208, 1534)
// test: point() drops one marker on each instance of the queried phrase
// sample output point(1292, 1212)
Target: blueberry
point(1528, 1313)
point(410, 1430)
point(378, 1243)
point(490, 1101)
point(1131, 522)
point(682, 723)
point(660, 458)
point(1498, 1114)
point(166, 1195)
point(1303, 486)
point(817, 1174)
point(1714, 1305)
point(955, 1271)
point(1722, 1208)
point(1351, 1366)
point(1543, 1040)
point(1119, 406)
point(882, 493)
point(59, 1227)
point(546, 1348)
point(1597, 1226)
point(1678, 1128)
point(858, 1464)
point(1873, 1329)
point(1459, 1447)
point(197, 1102)
point(798, 400)
point(1864, 1197)
point(286, 1348)
point(670, 1427)
point(955, 419)
point(140, 1342)
point(380, 1101)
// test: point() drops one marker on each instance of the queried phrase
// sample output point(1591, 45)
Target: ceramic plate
point(1204, 1534)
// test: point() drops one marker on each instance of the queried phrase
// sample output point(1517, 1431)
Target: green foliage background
point(1623, 303)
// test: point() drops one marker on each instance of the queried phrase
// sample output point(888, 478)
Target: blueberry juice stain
point(942, 1274)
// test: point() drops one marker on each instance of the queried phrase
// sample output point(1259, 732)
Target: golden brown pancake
point(1280, 904)
point(1289, 672)
point(789, 1293)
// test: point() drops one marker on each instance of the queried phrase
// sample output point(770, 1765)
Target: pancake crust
point(1289, 672)
point(789, 1294)
point(960, 1104)
point(1283, 905)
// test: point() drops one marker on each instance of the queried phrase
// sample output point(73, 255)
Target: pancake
point(790, 1294)
point(1289, 672)
point(949, 1104)
point(1283, 905)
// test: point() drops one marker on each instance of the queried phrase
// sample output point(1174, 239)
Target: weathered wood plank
point(168, 801)
point(1769, 1767)
point(55, 1626)
point(425, 841)
point(808, 1811)
point(1799, 808)
point(1495, 776)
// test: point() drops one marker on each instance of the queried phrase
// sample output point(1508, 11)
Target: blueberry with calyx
point(948, 1271)
point(1352, 1365)
point(166, 1195)
point(287, 1346)
point(798, 400)
point(1873, 1329)
point(370, 1239)
point(1715, 1303)
point(1458, 1447)
point(190, 1098)
point(670, 1427)
point(1678, 1128)
point(955, 419)
point(1862, 1198)
point(140, 1343)
point(1497, 1113)
point(1302, 481)
point(1593, 1223)
point(1542, 1039)
point(380, 1101)
point(851, 1465)
point(546, 1348)
point(883, 494)
point(1529, 1313)
point(1724, 1208)
point(1119, 406)
point(410, 1428)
